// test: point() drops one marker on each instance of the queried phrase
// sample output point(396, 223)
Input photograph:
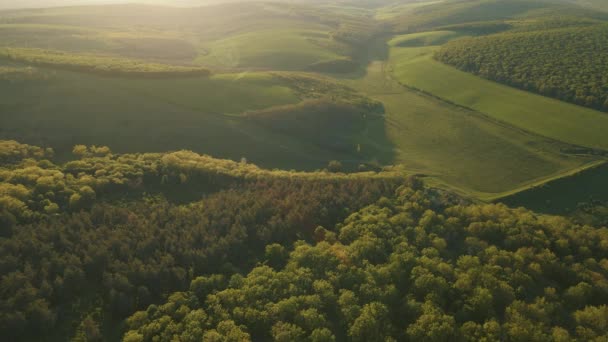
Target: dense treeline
point(568, 64)
point(32, 187)
point(99, 64)
point(406, 269)
point(81, 247)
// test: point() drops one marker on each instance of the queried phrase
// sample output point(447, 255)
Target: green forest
point(568, 64)
point(185, 247)
point(304, 171)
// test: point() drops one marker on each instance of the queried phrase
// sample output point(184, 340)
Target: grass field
point(460, 148)
point(415, 67)
point(157, 115)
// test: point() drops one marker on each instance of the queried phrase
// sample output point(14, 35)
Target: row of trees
point(568, 64)
point(113, 66)
point(405, 269)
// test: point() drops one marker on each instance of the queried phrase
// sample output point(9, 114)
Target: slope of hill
point(245, 35)
point(202, 114)
point(415, 67)
point(568, 64)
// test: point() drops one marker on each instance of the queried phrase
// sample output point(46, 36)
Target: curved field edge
point(562, 194)
point(415, 67)
point(528, 186)
point(456, 147)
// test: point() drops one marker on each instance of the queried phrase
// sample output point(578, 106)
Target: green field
point(463, 132)
point(415, 67)
point(457, 147)
point(131, 115)
point(228, 36)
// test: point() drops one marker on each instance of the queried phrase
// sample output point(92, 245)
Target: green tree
point(372, 324)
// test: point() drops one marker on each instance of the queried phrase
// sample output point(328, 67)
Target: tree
point(80, 151)
point(432, 326)
point(372, 325)
point(322, 335)
point(287, 332)
point(276, 255)
point(334, 166)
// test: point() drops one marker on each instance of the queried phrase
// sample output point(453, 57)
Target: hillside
point(288, 37)
point(416, 67)
point(568, 64)
point(168, 114)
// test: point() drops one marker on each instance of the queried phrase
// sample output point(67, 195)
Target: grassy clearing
point(132, 115)
point(460, 148)
point(415, 67)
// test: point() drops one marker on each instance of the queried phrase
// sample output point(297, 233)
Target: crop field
point(415, 67)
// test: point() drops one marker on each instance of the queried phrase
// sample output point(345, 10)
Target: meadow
point(201, 114)
point(416, 68)
point(459, 148)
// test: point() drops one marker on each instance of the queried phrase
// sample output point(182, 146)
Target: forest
point(567, 64)
point(183, 247)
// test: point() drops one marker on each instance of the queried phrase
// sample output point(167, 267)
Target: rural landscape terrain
point(324, 170)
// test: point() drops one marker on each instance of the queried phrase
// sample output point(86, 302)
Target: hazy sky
point(48, 3)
